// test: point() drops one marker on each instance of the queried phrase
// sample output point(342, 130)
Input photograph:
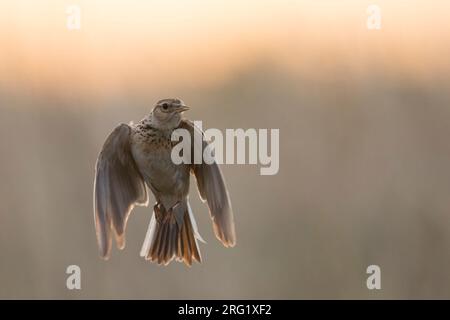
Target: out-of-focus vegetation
point(364, 179)
point(364, 119)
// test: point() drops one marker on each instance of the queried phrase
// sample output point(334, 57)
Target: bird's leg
point(167, 216)
point(171, 216)
point(174, 206)
point(158, 213)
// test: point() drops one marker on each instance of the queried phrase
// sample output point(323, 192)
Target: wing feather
point(118, 187)
point(212, 189)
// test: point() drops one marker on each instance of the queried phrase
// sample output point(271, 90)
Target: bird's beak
point(182, 108)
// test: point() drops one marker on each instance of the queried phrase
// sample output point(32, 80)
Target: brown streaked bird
point(138, 156)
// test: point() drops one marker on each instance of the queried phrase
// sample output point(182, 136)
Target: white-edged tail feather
point(149, 236)
point(194, 224)
point(167, 239)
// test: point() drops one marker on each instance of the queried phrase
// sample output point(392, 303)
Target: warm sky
point(199, 41)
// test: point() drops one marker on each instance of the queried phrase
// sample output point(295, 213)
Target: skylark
point(138, 156)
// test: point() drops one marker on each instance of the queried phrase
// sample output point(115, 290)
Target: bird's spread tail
point(167, 239)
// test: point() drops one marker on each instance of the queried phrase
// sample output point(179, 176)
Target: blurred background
point(364, 119)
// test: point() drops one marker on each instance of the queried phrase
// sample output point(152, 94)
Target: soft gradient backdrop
point(364, 119)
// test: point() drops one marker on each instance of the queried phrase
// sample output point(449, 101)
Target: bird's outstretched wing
point(118, 187)
point(212, 188)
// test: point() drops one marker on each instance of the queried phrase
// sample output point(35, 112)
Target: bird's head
point(166, 114)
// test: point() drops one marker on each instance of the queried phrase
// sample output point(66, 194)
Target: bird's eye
point(165, 106)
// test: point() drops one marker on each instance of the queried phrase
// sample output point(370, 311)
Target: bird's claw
point(167, 217)
point(158, 213)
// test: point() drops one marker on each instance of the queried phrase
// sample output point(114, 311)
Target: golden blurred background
point(364, 119)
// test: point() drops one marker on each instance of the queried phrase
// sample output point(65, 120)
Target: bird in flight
point(138, 156)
